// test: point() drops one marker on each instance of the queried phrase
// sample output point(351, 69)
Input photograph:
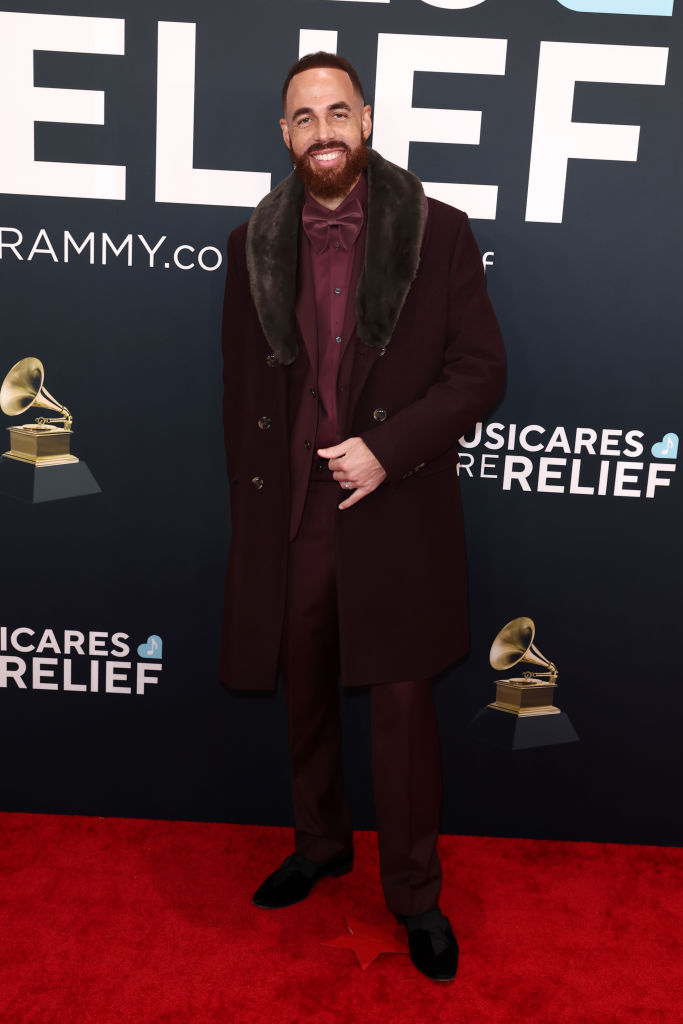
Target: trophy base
point(500, 727)
point(40, 444)
point(543, 709)
point(522, 697)
point(47, 460)
point(34, 484)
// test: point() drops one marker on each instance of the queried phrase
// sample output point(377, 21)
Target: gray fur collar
point(396, 220)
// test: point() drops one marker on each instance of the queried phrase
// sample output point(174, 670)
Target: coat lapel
point(272, 251)
point(396, 220)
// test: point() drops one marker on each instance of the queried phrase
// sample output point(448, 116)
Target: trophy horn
point(515, 643)
point(23, 388)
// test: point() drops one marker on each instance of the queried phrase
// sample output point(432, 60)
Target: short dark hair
point(321, 59)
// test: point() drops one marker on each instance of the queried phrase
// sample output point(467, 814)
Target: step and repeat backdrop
point(133, 139)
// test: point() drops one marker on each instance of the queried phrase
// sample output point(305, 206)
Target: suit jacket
point(428, 362)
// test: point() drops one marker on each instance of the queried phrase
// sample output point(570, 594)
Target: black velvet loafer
point(433, 946)
point(293, 881)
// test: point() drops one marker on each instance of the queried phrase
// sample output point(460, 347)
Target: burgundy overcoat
point(428, 363)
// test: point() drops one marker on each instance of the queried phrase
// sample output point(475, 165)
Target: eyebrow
point(341, 105)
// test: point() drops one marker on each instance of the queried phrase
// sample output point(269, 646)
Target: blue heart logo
point(667, 448)
point(152, 647)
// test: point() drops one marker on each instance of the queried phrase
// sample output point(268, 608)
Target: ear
point(366, 121)
point(285, 132)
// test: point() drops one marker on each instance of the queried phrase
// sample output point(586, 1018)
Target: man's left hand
point(355, 468)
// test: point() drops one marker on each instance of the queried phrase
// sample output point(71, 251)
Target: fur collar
point(396, 220)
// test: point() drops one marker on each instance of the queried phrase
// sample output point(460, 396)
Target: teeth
point(327, 156)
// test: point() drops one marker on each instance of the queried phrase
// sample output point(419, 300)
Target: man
point(359, 345)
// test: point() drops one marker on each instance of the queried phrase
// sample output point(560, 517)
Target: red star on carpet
point(368, 940)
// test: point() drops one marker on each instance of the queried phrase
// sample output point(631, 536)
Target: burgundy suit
point(377, 591)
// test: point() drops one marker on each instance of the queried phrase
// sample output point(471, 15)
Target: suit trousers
point(406, 766)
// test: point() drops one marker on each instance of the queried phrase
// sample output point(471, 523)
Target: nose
point(324, 131)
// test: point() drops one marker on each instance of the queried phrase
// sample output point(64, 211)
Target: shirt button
point(314, 392)
point(338, 339)
point(271, 360)
point(379, 415)
point(308, 445)
point(257, 482)
point(382, 351)
point(337, 291)
point(264, 422)
point(336, 245)
point(320, 467)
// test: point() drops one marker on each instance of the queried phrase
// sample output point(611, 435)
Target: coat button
point(379, 415)
point(264, 422)
point(320, 467)
point(257, 482)
point(314, 392)
point(383, 350)
point(271, 360)
point(308, 445)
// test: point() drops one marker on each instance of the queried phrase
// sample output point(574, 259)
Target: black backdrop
point(589, 302)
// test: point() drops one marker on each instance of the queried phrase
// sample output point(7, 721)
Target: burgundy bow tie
point(317, 225)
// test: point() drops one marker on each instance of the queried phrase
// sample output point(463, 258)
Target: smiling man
point(327, 139)
point(359, 345)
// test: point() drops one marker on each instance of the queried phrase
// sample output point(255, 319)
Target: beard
point(331, 182)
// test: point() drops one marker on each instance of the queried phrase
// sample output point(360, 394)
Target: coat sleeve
point(471, 380)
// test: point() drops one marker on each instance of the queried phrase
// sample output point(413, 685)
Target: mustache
point(318, 147)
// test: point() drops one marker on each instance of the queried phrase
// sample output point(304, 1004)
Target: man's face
point(325, 128)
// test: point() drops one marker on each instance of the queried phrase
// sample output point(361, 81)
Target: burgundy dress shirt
point(328, 278)
point(332, 255)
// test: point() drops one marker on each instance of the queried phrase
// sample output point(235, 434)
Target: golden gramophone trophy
point(523, 713)
point(39, 465)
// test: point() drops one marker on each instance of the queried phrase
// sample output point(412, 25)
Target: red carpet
point(112, 920)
